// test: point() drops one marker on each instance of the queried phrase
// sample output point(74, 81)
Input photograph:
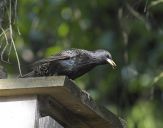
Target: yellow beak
point(111, 62)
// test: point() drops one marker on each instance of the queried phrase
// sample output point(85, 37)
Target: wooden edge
point(30, 86)
point(32, 82)
point(87, 100)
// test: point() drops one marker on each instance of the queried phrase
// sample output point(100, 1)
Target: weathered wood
point(68, 104)
point(49, 106)
point(48, 122)
point(18, 112)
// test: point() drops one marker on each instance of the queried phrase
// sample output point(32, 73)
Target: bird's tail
point(30, 74)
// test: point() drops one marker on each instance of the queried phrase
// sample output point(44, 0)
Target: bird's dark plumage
point(72, 63)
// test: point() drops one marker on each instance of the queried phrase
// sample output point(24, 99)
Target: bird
point(72, 63)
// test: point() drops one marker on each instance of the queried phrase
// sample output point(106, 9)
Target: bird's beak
point(110, 61)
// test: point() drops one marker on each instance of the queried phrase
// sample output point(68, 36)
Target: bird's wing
point(50, 59)
point(64, 55)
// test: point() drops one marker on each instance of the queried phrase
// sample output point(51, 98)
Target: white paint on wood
point(18, 112)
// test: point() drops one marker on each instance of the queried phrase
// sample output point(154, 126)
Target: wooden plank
point(48, 122)
point(18, 112)
point(83, 110)
point(49, 106)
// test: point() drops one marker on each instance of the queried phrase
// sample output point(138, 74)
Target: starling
point(72, 63)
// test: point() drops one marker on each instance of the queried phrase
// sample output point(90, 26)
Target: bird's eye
point(109, 56)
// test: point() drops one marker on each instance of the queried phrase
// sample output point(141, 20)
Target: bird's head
point(104, 57)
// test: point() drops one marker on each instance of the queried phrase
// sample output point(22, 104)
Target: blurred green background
point(131, 30)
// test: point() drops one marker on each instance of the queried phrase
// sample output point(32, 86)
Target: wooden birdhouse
point(50, 102)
